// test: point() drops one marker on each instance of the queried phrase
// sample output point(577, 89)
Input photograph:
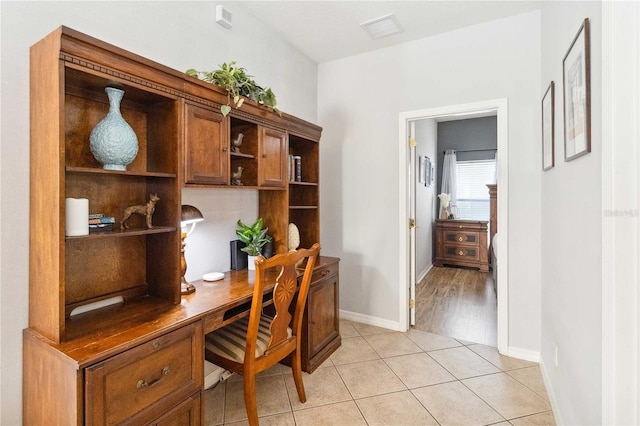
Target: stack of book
point(100, 223)
point(295, 168)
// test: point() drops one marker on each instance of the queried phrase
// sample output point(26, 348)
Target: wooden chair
point(255, 343)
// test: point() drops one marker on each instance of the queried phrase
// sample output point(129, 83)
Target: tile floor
point(382, 377)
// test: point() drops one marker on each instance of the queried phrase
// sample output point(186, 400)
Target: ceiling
point(329, 30)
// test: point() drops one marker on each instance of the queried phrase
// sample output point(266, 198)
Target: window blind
point(472, 192)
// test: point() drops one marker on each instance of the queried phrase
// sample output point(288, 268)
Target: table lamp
point(188, 219)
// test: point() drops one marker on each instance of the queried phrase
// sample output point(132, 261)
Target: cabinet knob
point(325, 272)
point(224, 149)
point(460, 238)
point(460, 253)
point(156, 344)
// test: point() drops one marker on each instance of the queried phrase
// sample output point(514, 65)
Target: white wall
point(426, 143)
point(571, 231)
point(359, 101)
point(180, 35)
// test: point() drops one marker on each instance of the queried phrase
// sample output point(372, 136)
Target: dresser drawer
point(138, 385)
point(460, 252)
point(462, 238)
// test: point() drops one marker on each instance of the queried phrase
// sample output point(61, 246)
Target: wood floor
point(459, 303)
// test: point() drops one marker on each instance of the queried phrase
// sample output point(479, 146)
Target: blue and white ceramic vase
point(113, 142)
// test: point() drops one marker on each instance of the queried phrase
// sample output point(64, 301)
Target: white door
point(412, 222)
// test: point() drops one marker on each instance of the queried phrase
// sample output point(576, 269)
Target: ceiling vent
point(383, 26)
point(223, 16)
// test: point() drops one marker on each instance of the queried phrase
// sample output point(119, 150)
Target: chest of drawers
point(462, 243)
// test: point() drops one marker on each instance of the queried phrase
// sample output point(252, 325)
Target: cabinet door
point(272, 164)
point(188, 413)
point(206, 156)
point(322, 314)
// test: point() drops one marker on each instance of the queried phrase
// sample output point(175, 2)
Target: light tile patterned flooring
point(382, 377)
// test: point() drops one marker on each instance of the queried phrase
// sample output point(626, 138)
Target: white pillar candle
point(76, 217)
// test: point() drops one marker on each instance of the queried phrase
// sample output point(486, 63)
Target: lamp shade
point(190, 215)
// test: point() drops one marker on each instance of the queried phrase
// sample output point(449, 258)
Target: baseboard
point(424, 274)
point(552, 396)
point(525, 354)
point(370, 320)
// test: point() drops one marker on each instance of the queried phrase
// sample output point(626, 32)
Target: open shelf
point(246, 154)
point(136, 262)
point(117, 233)
point(241, 155)
point(90, 170)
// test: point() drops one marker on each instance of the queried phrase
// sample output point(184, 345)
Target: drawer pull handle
point(325, 272)
point(461, 253)
point(143, 384)
point(156, 345)
point(460, 238)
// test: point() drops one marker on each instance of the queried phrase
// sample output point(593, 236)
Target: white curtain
point(449, 175)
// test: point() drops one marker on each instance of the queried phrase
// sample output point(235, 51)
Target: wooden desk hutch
point(141, 361)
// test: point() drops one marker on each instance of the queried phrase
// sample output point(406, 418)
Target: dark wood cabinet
point(139, 384)
point(462, 243)
point(125, 373)
point(206, 159)
point(322, 324)
point(321, 321)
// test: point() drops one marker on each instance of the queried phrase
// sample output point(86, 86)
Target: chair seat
point(230, 341)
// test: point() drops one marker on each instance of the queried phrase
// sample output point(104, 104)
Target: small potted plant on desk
point(254, 237)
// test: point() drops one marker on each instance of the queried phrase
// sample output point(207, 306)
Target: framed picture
point(427, 172)
point(548, 138)
point(576, 79)
point(422, 164)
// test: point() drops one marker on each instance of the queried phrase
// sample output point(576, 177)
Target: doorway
point(407, 278)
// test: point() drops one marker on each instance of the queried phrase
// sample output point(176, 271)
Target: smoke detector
point(382, 26)
point(223, 16)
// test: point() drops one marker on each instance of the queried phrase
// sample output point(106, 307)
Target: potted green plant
point(255, 237)
point(237, 83)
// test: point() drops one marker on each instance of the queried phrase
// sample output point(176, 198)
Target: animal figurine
point(237, 142)
point(141, 209)
point(235, 177)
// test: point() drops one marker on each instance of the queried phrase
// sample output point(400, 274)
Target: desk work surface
point(97, 335)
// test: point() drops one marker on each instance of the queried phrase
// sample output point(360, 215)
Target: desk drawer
point(324, 271)
point(142, 383)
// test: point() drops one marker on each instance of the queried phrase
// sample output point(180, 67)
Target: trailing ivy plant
point(237, 83)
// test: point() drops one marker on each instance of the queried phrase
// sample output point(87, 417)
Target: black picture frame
point(548, 128)
point(576, 80)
